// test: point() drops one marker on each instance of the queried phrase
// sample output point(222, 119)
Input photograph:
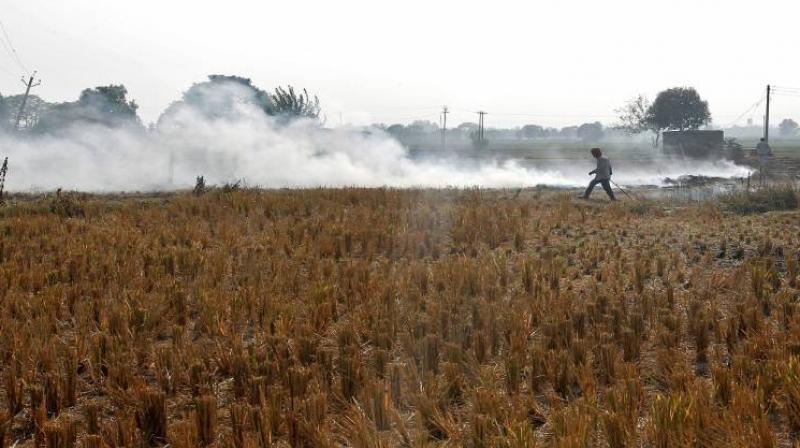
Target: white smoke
point(254, 148)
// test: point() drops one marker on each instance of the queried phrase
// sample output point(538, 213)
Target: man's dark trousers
point(606, 183)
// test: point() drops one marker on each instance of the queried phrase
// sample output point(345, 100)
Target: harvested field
point(380, 318)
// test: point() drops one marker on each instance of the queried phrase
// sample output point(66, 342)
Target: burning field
point(382, 317)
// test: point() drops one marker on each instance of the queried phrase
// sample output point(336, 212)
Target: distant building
point(694, 144)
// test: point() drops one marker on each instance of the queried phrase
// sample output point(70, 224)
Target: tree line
point(678, 108)
point(588, 132)
point(220, 96)
point(674, 109)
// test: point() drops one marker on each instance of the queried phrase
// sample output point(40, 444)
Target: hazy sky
point(551, 62)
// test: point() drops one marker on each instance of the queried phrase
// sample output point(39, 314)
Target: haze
point(552, 63)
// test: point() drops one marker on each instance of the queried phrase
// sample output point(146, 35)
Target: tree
point(590, 132)
point(222, 97)
point(103, 105)
point(788, 127)
point(569, 132)
point(396, 130)
point(679, 108)
point(35, 108)
point(259, 97)
point(109, 105)
point(289, 105)
point(466, 128)
point(477, 141)
point(3, 114)
point(633, 116)
point(531, 131)
point(422, 127)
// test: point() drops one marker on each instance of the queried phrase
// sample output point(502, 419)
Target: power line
point(14, 53)
point(786, 88)
point(786, 93)
point(466, 111)
point(7, 47)
point(747, 111)
point(552, 115)
point(540, 115)
point(409, 108)
point(415, 117)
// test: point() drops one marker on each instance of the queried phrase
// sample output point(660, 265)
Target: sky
point(548, 62)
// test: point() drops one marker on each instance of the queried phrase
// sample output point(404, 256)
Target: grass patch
point(760, 201)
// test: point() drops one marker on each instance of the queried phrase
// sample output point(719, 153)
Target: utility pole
point(766, 117)
point(480, 126)
point(445, 111)
point(28, 84)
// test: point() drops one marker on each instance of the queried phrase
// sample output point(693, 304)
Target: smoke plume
point(248, 145)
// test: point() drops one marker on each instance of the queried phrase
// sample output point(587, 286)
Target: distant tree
point(289, 105)
point(590, 132)
point(679, 108)
point(3, 114)
point(569, 132)
point(221, 97)
point(500, 134)
point(633, 116)
point(551, 132)
point(466, 128)
point(477, 142)
point(35, 107)
point(109, 105)
point(260, 97)
point(396, 130)
point(787, 127)
point(103, 105)
point(422, 127)
point(531, 131)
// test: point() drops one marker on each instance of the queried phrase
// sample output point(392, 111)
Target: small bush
point(760, 201)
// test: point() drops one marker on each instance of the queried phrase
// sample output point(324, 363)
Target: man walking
point(602, 175)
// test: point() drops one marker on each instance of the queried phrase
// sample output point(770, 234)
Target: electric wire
point(747, 111)
point(13, 51)
point(8, 71)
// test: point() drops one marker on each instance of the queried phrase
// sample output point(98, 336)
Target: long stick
point(620, 189)
point(3, 171)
